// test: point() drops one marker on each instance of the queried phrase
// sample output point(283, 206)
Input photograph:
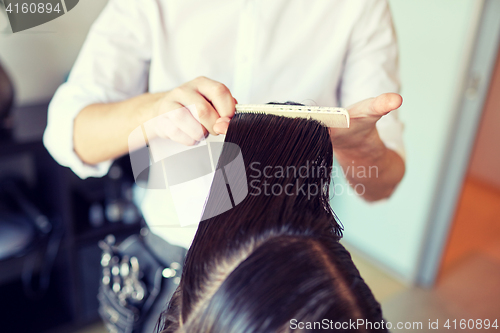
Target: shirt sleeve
point(112, 66)
point(371, 67)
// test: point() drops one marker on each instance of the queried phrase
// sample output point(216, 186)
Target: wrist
point(149, 108)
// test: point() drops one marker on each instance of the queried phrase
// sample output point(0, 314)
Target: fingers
point(376, 107)
point(221, 125)
point(177, 123)
point(184, 119)
point(212, 100)
point(217, 94)
point(203, 111)
point(386, 103)
point(191, 111)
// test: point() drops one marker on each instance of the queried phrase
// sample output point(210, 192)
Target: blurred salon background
point(430, 252)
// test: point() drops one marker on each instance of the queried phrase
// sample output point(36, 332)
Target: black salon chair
point(22, 225)
point(24, 230)
point(6, 100)
point(16, 234)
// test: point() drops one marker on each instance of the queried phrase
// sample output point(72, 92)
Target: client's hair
point(274, 260)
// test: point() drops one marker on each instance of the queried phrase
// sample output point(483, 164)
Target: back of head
point(273, 263)
point(289, 283)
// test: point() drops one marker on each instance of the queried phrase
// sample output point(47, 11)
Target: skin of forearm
point(101, 130)
point(383, 168)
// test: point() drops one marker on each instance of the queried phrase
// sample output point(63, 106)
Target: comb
point(329, 116)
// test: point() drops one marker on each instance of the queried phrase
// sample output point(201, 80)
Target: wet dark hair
point(272, 260)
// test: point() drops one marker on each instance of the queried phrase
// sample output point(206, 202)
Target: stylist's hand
point(177, 111)
point(362, 133)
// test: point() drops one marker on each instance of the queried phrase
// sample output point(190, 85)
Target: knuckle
point(178, 91)
point(220, 89)
point(174, 132)
point(201, 78)
point(178, 115)
point(203, 111)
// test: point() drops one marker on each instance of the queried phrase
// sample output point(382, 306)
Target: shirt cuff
point(58, 136)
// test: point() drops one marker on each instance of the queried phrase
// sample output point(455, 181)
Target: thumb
point(221, 125)
point(385, 103)
point(376, 107)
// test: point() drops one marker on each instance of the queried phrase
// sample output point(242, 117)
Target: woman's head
point(274, 259)
point(284, 283)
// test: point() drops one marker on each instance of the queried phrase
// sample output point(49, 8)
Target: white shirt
point(316, 52)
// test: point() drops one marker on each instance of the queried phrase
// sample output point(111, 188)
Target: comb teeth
point(329, 116)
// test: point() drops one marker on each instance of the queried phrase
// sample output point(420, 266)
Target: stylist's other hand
point(178, 120)
point(362, 132)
